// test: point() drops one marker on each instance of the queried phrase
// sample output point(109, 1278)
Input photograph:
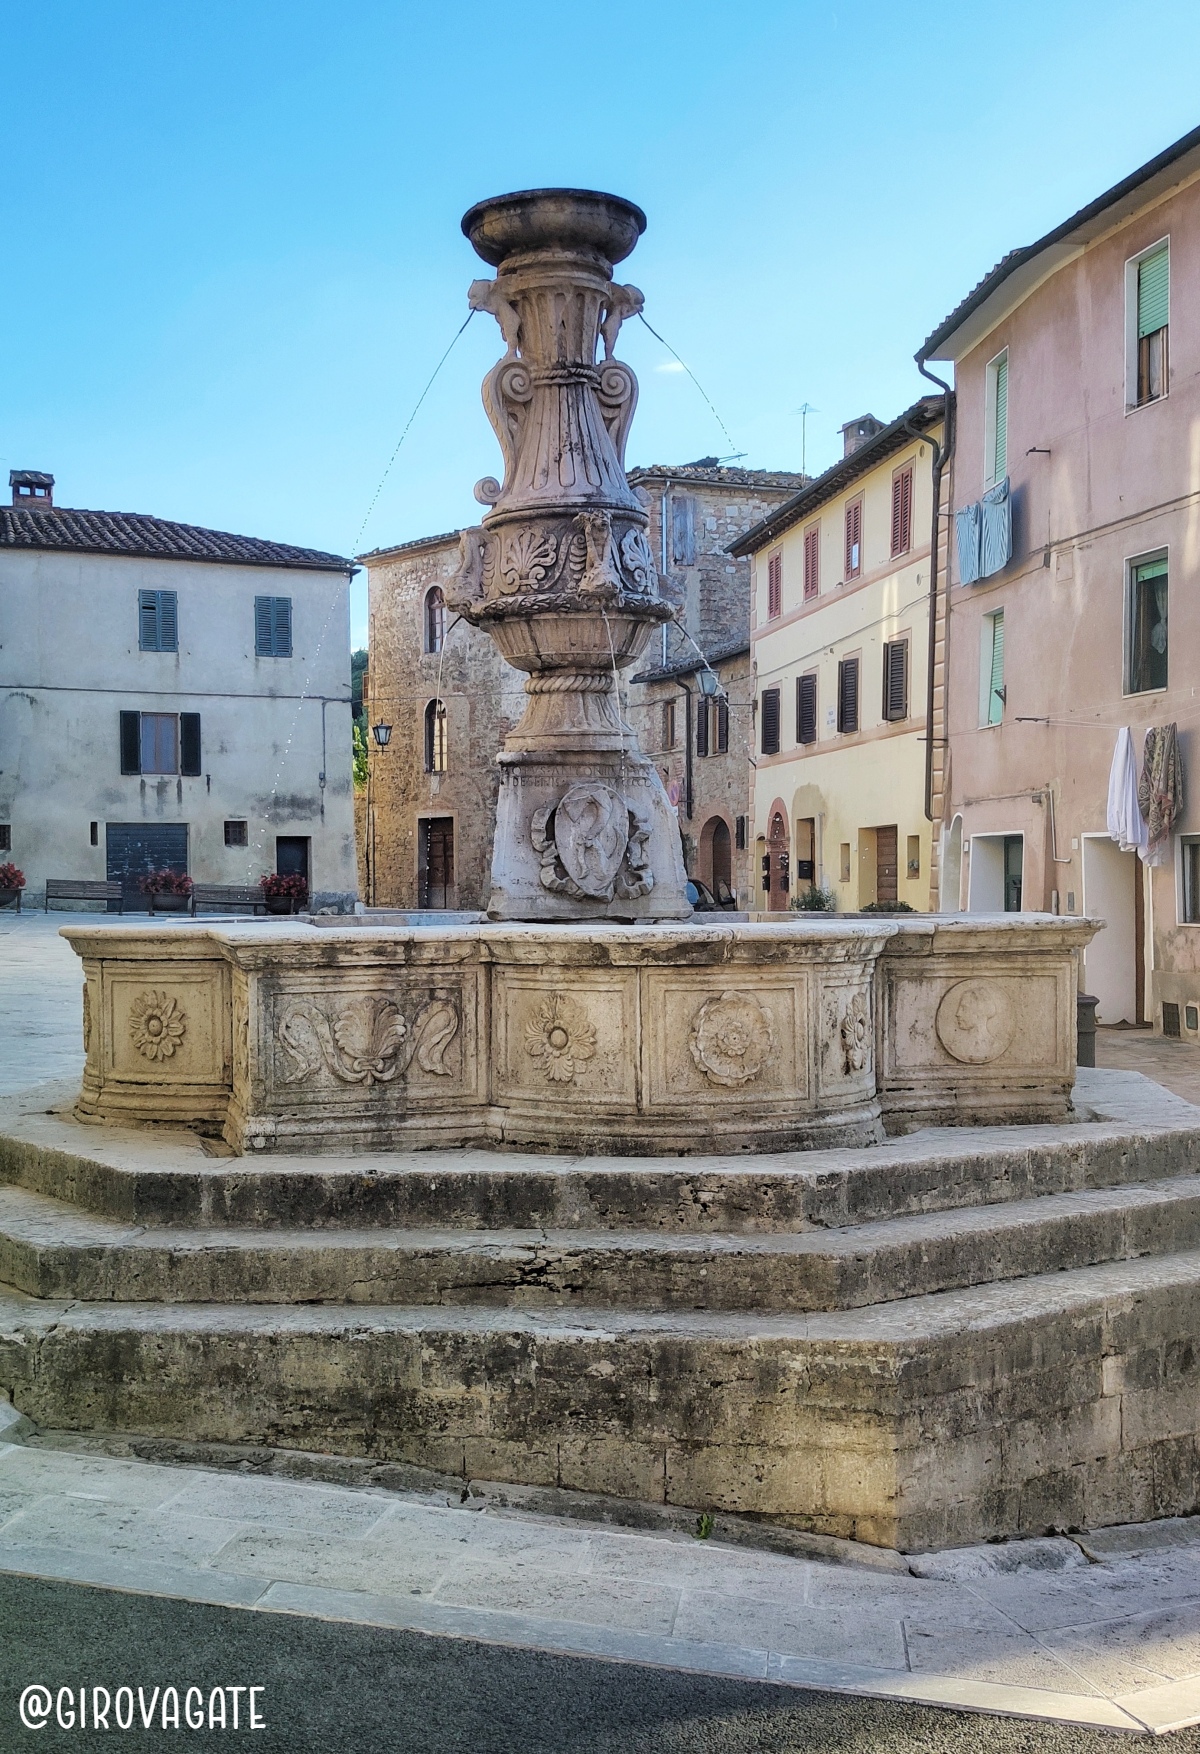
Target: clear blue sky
point(231, 243)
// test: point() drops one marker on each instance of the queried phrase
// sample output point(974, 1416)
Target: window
point(844, 863)
point(854, 539)
point(236, 834)
point(668, 724)
point(812, 561)
point(94, 833)
point(701, 726)
point(913, 861)
point(770, 721)
point(847, 704)
point(272, 627)
point(1189, 858)
point(806, 708)
point(683, 532)
point(158, 621)
point(774, 586)
point(995, 420)
point(1147, 637)
point(1148, 309)
point(902, 492)
point(739, 833)
point(435, 737)
point(160, 743)
point(5, 837)
point(992, 692)
point(721, 727)
point(435, 619)
point(895, 680)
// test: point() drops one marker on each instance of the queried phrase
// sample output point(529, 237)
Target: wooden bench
point(228, 895)
point(82, 889)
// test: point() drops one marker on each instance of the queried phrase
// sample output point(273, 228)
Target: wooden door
point(886, 870)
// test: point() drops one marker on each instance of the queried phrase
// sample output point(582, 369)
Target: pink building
point(1074, 594)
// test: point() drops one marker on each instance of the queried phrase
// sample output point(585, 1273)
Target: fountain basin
point(650, 1040)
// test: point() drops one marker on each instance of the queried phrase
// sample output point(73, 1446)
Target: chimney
point(857, 432)
point(32, 490)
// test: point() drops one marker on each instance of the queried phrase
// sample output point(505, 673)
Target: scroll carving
point(366, 1040)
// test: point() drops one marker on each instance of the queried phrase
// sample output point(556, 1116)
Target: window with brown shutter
point(701, 726)
point(902, 489)
point(770, 721)
point(774, 586)
point(847, 707)
point(812, 562)
point(722, 725)
point(854, 539)
point(806, 708)
point(895, 680)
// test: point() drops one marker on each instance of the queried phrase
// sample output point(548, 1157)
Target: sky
point(231, 251)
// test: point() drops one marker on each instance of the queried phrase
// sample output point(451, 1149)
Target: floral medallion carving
point(854, 1032)
point(366, 1040)
point(560, 1038)
point(157, 1026)
point(731, 1038)
point(976, 1021)
point(592, 843)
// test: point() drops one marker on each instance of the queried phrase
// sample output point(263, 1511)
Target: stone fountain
point(983, 1329)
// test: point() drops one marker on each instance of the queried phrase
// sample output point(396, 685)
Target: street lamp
point(382, 734)
point(710, 683)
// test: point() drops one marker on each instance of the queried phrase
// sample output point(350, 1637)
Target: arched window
point(435, 619)
point(435, 737)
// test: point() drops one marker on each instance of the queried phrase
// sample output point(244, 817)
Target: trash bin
point(1085, 1027)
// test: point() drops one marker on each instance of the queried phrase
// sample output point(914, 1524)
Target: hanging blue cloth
point(966, 537)
point(996, 544)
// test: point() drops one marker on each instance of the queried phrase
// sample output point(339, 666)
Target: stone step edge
point(935, 1317)
point(1119, 1154)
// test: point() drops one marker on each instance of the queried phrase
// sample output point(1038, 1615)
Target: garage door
point(137, 847)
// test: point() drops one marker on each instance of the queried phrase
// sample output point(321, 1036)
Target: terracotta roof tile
point(62, 529)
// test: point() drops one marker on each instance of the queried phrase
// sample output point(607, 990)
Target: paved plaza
point(1099, 1630)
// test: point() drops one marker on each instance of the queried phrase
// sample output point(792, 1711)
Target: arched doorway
point(780, 864)
point(716, 857)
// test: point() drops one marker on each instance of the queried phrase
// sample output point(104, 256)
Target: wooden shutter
point(770, 721)
point(282, 628)
point(895, 679)
point(189, 743)
point(996, 680)
point(774, 585)
point(854, 539)
point(812, 561)
point(1154, 279)
point(902, 483)
point(722, 725)
point(806, 708)
point(683, 531)
point(701, 726)
point(848, 695)
point(131, 742)
point(1000, 438)
point(168, 621)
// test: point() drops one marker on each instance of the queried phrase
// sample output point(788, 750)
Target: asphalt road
point(359, 1690)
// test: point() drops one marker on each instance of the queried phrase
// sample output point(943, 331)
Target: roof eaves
point(739, 648)
point(1060, 245)
point(440, 541)
point(925, 412)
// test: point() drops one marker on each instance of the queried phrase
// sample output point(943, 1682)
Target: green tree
point(360, 751)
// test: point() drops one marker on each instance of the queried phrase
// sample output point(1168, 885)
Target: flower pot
point(170, 904)
point(280, 904)
point(10, 898)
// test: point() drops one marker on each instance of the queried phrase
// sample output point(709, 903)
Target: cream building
point(840, 643)
point(170, 696)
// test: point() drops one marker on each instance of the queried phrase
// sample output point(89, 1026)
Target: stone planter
point(280, 904)
point(169, 904)
point(10, 898)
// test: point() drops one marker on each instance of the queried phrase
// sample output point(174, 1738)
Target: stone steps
point(52, 1250)
point(1065, 1398)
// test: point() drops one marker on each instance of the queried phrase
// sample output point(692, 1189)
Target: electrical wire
point(691, 374)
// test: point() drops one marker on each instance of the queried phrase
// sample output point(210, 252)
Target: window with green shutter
point(1153, 313)
point(273, 627)
point(996, 419)
point(996, 690)
point(158, 621)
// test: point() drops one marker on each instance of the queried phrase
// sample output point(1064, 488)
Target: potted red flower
point(284, 893)
point(12, 882)
point(168, 891)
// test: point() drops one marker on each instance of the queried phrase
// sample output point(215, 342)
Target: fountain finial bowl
point(537, 219)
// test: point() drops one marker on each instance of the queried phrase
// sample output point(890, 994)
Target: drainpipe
point(941, 456)
point(687, 750)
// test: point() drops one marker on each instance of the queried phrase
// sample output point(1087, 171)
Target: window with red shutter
point(812, 561)
point(902, 485)
point(774, 586)
point(854, 539)
point(847, 706)
point(770, 721)
point(806, 708)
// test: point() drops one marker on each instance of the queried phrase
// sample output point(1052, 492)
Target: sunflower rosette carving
point(560, 1038)
point(157, 1025)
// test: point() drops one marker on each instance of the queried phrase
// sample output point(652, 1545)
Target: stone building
point(170, 696)
point(432, 793)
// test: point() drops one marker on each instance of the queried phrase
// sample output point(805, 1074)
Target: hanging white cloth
point(1126, 824)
